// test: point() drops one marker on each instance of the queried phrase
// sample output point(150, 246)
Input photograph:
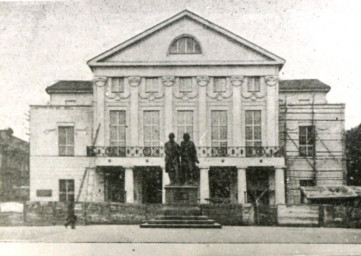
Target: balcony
point(202, 151)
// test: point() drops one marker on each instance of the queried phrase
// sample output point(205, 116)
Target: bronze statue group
point(180, 161)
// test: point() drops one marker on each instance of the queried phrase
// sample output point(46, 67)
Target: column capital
point(237, 80)
point(271, 80)
point(100, 81)
point(202, 80)
point(134, 81)
point(168, 81)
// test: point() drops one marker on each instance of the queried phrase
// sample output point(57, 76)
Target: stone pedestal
point(181, 194)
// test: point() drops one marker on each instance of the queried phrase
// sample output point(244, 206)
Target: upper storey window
point(185, 45)
point(118, 84)
point(151, 84)
point(254, 84)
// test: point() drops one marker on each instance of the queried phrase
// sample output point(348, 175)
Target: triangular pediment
point(218, 46)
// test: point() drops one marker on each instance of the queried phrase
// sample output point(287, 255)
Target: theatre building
point(258, 138)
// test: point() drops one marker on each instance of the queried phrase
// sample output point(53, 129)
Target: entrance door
point(222, 181)
point(114, 184)
point(260, 195)
point(148, 184)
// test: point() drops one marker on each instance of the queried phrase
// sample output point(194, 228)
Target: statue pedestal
point(181, 210)
point(181, 194)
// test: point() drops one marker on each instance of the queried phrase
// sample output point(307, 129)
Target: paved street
point(134, 234)
point(131, 240)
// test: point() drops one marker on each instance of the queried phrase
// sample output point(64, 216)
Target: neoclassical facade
point(102, 140)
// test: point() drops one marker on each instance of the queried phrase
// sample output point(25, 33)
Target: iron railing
point(202, 151)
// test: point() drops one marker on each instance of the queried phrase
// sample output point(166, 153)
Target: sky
point(42, 42)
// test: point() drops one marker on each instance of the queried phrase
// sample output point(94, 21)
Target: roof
point(331, 192)
point(70, 86)
point(97, 61)
point(299, 85)
point(306, 85)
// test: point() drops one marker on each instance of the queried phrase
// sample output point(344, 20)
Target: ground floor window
point(66, 190)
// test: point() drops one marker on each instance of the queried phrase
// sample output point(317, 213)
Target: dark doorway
point(260, 194)
point(149, 183)
point(221, 184)
point(114, 184)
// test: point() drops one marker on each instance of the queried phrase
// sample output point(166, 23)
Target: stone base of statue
point(181, 210)
point(181, 194)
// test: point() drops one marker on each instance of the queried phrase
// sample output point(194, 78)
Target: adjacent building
point(14, 167)
point(258, 138)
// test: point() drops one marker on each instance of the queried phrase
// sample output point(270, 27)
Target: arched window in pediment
point(185, 45)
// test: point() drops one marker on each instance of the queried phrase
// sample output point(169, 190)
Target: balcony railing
point(202, 151)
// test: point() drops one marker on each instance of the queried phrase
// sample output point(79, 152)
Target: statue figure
point(188, 160)
point(172, 151)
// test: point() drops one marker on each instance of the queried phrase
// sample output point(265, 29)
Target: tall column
point(204, 185)
point(134, 83)
point(99, 111)
point(168, 82)
point(241, 185)
point(280, 186)
point(236, 110)
point(202, 81)
point(272, 110)
point(165, 181)
point(129, 185)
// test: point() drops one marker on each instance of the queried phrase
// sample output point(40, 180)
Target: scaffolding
point(291, 176)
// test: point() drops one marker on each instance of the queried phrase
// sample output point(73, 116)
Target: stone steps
point(181, 222)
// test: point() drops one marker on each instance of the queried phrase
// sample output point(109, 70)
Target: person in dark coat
point(172, 150)
point(71, 219)
point(188, 160)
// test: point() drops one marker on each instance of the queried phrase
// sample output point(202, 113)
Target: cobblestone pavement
point(134, 234)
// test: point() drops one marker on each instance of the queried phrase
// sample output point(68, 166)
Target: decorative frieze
point(134, 81)
point(117, 96)
point(254, 95)
point(168, 80)
point(185, 95)
point(100, 81)
point(237, 80)
point(202, 80)
point(271, 80)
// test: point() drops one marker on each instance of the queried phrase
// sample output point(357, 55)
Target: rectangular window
point(118, 84)
point(219, 84)
point(66, 140)
point(219, 132)
point(185, 84)
point(307, 140)
point(253, 84)
point(253, 132)
point(117, 128)
point(185, 123)
point(151, 128)
point(66, 190)
point(151, 84)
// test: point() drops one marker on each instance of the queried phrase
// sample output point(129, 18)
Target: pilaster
point(279, 186)
point(203, 81)
point(272, 110)
point(129, 185)
point(204, 185)
point(134, 82)
point(236, 82)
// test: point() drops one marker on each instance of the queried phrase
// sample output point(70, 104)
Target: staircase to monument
point(181, 216)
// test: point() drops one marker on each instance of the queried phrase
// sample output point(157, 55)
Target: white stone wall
point(46, 166)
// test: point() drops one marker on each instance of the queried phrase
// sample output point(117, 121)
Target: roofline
point(92, 62)
point(172, 64)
